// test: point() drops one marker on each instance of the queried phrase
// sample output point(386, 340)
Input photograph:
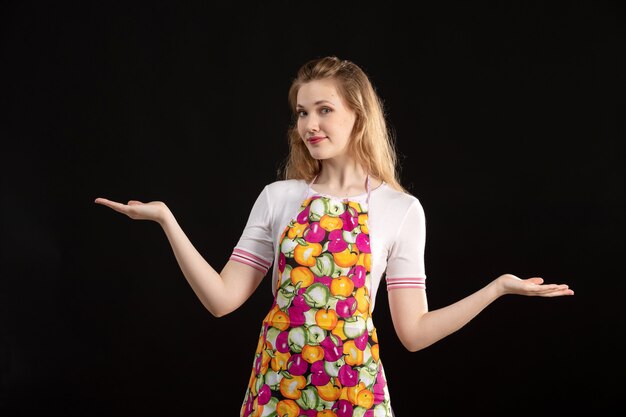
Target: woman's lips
point(316, 139)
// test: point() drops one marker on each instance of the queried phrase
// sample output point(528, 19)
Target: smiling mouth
point(316, 139)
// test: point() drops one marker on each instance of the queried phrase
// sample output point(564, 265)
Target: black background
point(507, 127)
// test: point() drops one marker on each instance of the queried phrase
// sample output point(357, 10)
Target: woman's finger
point(535, 280)
point(136, 209)
point(550, 290)
point(119, 207)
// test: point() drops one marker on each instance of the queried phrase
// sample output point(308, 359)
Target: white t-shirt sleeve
point(405, 264)
point(255, 246)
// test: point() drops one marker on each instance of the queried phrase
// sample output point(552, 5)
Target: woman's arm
point(220, 293)
point(418, 328)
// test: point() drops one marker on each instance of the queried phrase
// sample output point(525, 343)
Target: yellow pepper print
point(375, 353)
point(291, 387)
point(355, 205)
point(326, 318)
point(331, 391)
point(363, 223)
point(342, 286)
point(347, 257)
point(365, 399)
point(338, 330)
point(362, 299)
point(330, 223)
point(352, 354)
point(287, 408)
point(312, 354)
point(302, 274)
point(353, 392)
point(307, 254)
point(365, 260)
point(297, 230)
point(265, 362)
point(279, 361)
point(281, 320)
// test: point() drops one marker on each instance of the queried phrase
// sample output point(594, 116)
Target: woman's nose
point(312, 124)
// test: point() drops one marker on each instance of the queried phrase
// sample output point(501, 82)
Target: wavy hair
point(371, 142)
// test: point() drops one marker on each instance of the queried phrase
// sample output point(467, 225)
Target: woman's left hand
point(510, 284)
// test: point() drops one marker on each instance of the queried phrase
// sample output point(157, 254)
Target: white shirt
point(396, 223)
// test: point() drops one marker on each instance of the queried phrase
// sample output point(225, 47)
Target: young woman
point(332, 226)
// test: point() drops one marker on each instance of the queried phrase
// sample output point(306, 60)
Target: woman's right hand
point(155, 210)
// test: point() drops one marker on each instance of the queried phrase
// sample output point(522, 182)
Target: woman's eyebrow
point(317, 103)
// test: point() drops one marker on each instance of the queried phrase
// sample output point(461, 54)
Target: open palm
point(137, 210)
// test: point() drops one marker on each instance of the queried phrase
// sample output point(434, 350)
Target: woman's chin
point(318, 155)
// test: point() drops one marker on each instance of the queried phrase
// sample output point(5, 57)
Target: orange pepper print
point(326, 318)
point(375, 352)
point(363, 223)
point(365, 399)
point(297, 230)
point(330, 223)
point(270, 316)
point(302, 274)
point(257, 409)
point(265, 362)
point(362, 300)
point(355, 205)
point(287, 408)
point(279, 361)
point(338, 330)
point(365, 260)
point(291, 387)
point(341, 285)
point(330, 391)
point(312, 354)
point(347, 257)
point(307, 254)
point(281, 320)
point(353, 392)
point(352, 354)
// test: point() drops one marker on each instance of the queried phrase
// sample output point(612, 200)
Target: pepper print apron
point(318, 352)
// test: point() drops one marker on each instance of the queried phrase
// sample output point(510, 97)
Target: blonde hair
point(371, 143)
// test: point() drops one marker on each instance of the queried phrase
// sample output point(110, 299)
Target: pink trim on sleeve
point(405, 282)
point(248, 258)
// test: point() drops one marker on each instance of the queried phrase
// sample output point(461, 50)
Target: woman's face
point(324, 120)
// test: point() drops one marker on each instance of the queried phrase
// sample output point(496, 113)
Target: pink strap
point(308, 189)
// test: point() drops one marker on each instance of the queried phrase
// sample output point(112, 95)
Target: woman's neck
point(343, 180)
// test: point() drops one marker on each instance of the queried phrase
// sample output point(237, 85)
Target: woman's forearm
point(203, 279)
point(419, 328)
point(434, 325)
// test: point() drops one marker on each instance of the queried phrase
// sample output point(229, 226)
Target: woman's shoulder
point(285, 190)
point(394, 205)
point(286, 185)
point(393, 196)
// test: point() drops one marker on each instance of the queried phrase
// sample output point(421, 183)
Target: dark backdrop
point(507, 127)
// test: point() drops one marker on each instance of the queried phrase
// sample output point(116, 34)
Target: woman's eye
point(326, 110)
point(301, 113)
